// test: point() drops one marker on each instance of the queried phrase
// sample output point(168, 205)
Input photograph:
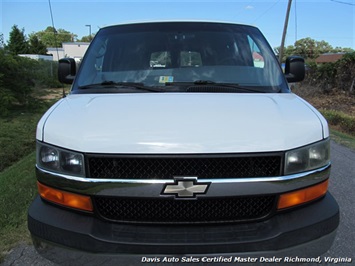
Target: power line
point(266, 11)
point(245, 6)
point(295, 21)
point(342, 2)
point(54, 30)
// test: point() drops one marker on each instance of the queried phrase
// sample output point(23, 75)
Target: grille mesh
point(233, 209)
point(166, 168)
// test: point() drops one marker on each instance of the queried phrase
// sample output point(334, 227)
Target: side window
point(189, 58)
point(160, 59)
point(258, 58)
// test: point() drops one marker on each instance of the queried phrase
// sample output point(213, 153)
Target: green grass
point(17, 135)
point(343, 122)
point(17, 174)
point(342, 127)
point(343, 138)
point(17, 190)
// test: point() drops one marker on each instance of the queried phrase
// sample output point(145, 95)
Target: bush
point(339, 75)
point(346, 72)
point(6, 98)
point(46, 75)
point(19, 76)
point(16, 78)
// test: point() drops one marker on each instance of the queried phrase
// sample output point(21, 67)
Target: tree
point(310, 49)
point(288, 51)
point(343, 50)
point(323, 47)
point(51, 37)
point(17, 42)
point(36, 46)
point(86, 38)
point(307, 48)
point(2, 42)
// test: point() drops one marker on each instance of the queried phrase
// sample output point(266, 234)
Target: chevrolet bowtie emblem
point(185, 188)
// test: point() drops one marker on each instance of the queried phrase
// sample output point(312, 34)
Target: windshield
point(178, 55)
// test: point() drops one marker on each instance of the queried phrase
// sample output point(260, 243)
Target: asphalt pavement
point(342, 187)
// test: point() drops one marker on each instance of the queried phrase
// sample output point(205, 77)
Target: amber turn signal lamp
point(64, 198)
point(301, 196)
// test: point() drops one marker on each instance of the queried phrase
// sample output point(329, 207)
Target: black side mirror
point(294, 69)
point(66, 70)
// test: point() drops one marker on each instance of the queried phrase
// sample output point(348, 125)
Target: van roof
point(175, 21)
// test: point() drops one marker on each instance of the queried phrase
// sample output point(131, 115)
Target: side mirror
point(66, 70)
point(294, 69)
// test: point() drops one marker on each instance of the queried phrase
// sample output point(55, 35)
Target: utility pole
point(89, 31)
point(284, 32)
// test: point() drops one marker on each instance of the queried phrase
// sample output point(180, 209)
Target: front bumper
point(71, 238)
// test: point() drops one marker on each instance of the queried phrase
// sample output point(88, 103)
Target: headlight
point(59, 160)
point(307, 158)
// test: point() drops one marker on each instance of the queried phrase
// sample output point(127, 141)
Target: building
point(38, 56)
point(329, 58)
point(74, 50)
point(56, 53)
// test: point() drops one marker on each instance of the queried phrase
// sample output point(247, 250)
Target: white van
point(181, 142)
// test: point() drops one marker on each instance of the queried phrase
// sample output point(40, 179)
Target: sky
point(330, 20)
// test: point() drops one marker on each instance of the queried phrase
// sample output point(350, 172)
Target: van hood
point(146, 123)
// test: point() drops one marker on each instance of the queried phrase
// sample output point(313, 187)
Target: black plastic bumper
point(306, 232)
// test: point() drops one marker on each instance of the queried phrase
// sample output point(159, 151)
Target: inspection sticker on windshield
point(165, 79)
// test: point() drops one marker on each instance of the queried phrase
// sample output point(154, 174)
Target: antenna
point(55, 38)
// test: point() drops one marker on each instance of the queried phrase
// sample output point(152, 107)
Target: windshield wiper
point(120, 85)
point(211, 86)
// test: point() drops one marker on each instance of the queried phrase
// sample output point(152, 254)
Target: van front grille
point(166, 167)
